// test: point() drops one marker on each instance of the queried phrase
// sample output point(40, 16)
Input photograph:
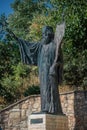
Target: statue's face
point(47, 34)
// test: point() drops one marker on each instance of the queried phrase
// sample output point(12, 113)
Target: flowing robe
point(50, 101)
point(43, 56)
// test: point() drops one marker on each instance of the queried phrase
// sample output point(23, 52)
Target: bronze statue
point(47, 55)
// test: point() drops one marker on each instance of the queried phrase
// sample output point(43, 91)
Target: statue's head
point(47, 34)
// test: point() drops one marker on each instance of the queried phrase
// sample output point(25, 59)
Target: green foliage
point(9, 89)
point(31, 90)
point(9, 55)
point(38, 21)
point(13, 86)
point(21, 70)
point(14, 76)
point(26, 22)
point(74, 47)
point(75, 42)
point(24, 12)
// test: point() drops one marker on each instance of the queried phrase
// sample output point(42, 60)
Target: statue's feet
point(44, 112)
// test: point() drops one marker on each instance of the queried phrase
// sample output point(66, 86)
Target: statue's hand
point(52, 70)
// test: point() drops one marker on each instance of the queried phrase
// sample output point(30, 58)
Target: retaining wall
point(74, 105)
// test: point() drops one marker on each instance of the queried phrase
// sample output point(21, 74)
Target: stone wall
point(74, 105)
point(15, 117)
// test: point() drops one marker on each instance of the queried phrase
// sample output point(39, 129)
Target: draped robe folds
point(43, 56)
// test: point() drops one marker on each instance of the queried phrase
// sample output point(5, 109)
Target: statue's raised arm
point(12, 34)
point(28, 51)
point(59, 34)
point(58, 60)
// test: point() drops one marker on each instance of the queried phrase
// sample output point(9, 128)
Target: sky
point(5, 6)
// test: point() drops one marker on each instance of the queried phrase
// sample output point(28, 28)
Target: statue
point(47, 55)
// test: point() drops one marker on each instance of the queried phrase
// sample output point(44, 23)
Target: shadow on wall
point(74, 105)
point(80, 106)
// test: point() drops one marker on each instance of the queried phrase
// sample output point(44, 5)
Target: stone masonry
point(74, 106)
point(15, 117)
point(48, 122)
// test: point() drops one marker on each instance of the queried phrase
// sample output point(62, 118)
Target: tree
point(26, 22)
point(24, 11)
point(13, 85)
point(75, 15)
point(9, 55)
point(15, 77)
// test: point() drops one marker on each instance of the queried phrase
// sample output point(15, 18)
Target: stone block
point(47, 122)
point(25, 106)
point(23, 114)
point(14, 115)
point(70, 96)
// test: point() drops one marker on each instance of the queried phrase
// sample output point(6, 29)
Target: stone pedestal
point(47, 122)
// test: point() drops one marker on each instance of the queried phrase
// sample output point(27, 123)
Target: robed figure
point(47, 55)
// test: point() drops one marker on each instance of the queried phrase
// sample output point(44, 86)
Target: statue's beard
point(46, 40)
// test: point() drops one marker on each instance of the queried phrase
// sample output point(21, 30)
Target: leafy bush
point(31, 90)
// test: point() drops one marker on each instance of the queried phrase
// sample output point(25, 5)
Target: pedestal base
point(48, 122)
